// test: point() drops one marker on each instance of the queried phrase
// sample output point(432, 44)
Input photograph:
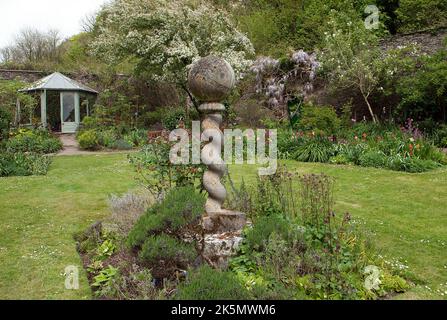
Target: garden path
point(71, 147)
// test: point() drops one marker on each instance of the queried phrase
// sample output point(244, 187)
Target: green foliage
point(36, 141)
point(275, 195)
point(317, 201)
point(373, 158)
point(351, 58)
point(23, 164)
point(181, 207)
point(318, 149)
point(94, 136)
point(257, 236)
point(107, 138)
point(339, 159)
point(320, 119)
point(157, 173)
point(9, 94)
point(423, 92)
point(76, 55)
point(5, 122)
point(434, 131)
point(105, 278)
point(413, 165)
point(276, 26)
point(164, 247)
point(415, 15)
point(106, 249)
point(122, 144)
point(89, 139)
point(206, 283)
point(368, 144)
point(136, 137)
point(314, 256)
point(159, 234)
point(171, 118)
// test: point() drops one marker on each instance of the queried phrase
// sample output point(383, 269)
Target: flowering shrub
point(166, 37)
point(274, 76)
point(89, 140)
point(368, 145)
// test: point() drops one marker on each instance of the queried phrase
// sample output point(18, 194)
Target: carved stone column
point(210, 81)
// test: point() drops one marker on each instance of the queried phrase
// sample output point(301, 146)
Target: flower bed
point(404, 149)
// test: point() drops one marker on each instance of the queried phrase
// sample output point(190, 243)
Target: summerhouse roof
point(57, 81)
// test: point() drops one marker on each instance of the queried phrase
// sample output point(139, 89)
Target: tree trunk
point(369, 108)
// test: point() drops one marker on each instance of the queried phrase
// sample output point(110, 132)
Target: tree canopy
point(163, 38)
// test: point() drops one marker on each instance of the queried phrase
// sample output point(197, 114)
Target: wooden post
point(43, 108)
point(17, 117)
point(77, 109)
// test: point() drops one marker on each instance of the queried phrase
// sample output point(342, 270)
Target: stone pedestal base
point(223, 235)
point(224, 221)
point(220, 247)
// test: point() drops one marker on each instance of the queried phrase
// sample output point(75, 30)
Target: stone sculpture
point(210, 81)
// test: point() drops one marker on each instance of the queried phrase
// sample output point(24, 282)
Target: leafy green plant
point(5, 122)
point(137, 137)
point(423, 92)
point(23, 164)
point(339, 159)
point(95, 267)
point(158, 174)
point(316, 198)
point(275, 195)
point(159, 234)
point(164, 247)
point(313, 256)
point(415, 15)
point(373, 158)
point(105, 277)
point(257, 236)
point(89, 140)
point(122, 144)
point(107, 138)
point(314, 150)
point(181, 207)
point(206, 283)
point(320, 119)
point(36, 141)
point(172, 117)
point(106, 249)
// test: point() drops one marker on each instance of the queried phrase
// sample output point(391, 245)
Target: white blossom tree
point(165, 37)
point(351, 59)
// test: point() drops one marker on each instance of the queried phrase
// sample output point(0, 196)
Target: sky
point(62, 15)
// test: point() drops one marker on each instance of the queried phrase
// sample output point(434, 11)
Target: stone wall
point(23, 75)
point(429, 42)
point(31, 75)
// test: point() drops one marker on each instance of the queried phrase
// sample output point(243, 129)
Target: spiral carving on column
point(212, 157)
point(210, 81)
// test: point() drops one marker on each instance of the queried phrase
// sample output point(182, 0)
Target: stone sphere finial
point(211, 79)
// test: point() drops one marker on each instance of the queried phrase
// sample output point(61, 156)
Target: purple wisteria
point(273, 80)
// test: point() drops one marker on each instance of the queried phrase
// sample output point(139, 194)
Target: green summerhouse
point(64, 102)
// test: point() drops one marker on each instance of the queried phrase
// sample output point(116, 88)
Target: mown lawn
point(407, 214)
point(39, 215)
